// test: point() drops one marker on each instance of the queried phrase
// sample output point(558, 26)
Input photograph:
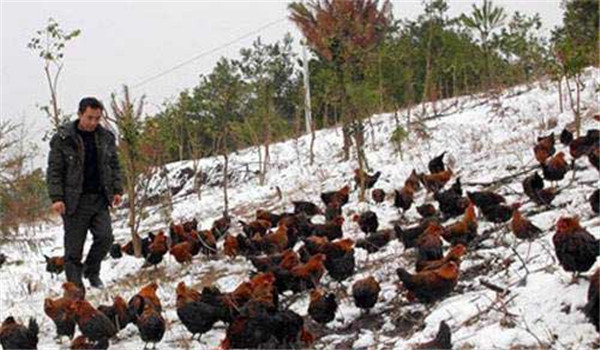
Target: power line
point(205, 53)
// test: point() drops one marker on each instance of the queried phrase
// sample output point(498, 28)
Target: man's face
point(89, 119)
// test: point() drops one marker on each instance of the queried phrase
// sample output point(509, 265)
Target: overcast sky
point(129, 42)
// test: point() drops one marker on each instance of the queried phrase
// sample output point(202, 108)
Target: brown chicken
point(145, 244)
point(369, 180)
point(429, 244)
point(555, 168)
point(55, 264)
point(199, 312)
point(117, 312)
point(157, 249)
point(92, 323)
point(455, 254)
point(426, 210)
point(576, 249)
point(83, 343)
point(365, 293)
point(14, 335)
point(275, 242)
point(436, 165)
point(322, 308)
point(310, 273)
point(331, 229)
point(151, 325)
point(148, 293)
point(257, 226)
point(485, 199)
point(403, 198)
point(340, 197)
point(582, 145)
point(308, 208)
point(208, 242)
point(533, 186)
point(182, 252)
point(430, 285)
point(58, 312)
point(522, 227)
point(413, 181)
point(409, 236)
point(463, 231)
point(375, 241)
point(592, 308)
point(221, 226)
point(378, 195)
point(367, 221)
point(442, 341)
point(435, 182)
point(544, 148)
point(340, 262)
point(72, 291)
point(230, 246)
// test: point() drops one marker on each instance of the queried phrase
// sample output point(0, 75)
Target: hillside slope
point(486, 140)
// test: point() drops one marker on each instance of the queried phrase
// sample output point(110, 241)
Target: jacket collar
point(70, 129)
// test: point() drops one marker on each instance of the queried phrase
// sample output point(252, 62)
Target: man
point(83, 179)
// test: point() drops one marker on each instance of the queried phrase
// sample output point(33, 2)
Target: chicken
point(83, 343)
point(595, 201)
point(322, 308)
point(483, 199)
point(533, 186)
point(413, 181)
point(429, 243)
point(16, 336)
point(2, 259)
point(576, 249)
point(310, 273)
point(331, 229)
point(442, 341)
point(332, 211)
point(231, 247)
point(365, 293)
point(157, 249)
point(378, 195)
point(582, 145)
point(430, 285)
point(455, 254)
point(115, 251)
point(339, 197)
point(497, 214)
point(410, 235)
point(463, 231)
point(221, 226)
point(367, 221)
point(544, 148)
point(404, 198)
point(208, 242)
point(451, 201)
point(182, 252)
point(72, 291)
point(58, 312)
point(426, 210)
point(592, 308)
point(436, 165)
point(435, 182)
point(258, 226)
point(375, 241)
point(369, 180)
point(308, 208)
point(148, 294)
point(117, 312)
point(277, 241)
point(145, 244)
point(555, 168)
point(197, 315)
point(151, 325)
point(55, 264)
point(566, 137)
point(190, 225)
point(92, 323)
point(521, 227)
point(339, 262)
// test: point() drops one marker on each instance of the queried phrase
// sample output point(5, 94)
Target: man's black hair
point(90, 102)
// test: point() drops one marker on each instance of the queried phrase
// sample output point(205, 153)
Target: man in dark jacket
point(84, 179)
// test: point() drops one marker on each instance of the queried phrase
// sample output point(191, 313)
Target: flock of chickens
point(291, 253)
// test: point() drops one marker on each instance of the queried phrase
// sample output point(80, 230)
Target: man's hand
point(116, 200)
point(59, 207)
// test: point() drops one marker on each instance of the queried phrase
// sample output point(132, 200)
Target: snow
point(486, 138)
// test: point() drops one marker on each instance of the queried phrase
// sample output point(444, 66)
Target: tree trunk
point(225, 184)
point(560, 97)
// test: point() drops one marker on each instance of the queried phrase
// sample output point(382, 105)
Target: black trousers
point(91, 214)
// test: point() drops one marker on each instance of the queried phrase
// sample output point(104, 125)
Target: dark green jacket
point(64, 176)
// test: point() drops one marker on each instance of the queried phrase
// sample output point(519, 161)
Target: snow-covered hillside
point(486, 138)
